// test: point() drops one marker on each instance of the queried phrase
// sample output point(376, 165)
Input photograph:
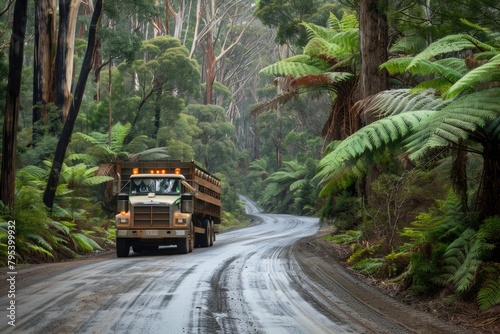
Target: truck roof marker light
point(163, 171)
point(135, 171)
point(177, 171)
point(152, 171)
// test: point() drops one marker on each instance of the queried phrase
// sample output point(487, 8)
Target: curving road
point(248, 282)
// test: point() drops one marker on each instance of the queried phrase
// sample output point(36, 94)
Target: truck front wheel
point(122, 247)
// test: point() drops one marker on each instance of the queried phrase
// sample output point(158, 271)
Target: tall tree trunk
point(43, 75)
point(11, 117)
point(68, 13)
point(62, 144)
point(210, 63)
point(374, 36)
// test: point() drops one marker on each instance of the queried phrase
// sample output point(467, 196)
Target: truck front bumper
point(151, 234)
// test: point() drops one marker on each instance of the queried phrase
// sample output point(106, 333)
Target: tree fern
point(489, 293)
point(349, 159)
point(462, 260)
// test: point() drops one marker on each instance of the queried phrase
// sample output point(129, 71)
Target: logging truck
point(165, 203)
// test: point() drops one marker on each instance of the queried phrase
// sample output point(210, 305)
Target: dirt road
point(253, 280)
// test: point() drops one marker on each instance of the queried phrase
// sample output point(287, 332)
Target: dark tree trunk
point(488, 201)
point(373, 40)
point(373, 32)
point(43, 74)
point(11, 117)
point(62, 144)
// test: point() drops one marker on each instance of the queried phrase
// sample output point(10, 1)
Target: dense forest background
point(382, 118)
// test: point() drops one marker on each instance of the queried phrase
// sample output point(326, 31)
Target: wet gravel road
point(248, 282)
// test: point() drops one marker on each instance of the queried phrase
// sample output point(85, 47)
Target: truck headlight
point(181, 218)
point(123, 220)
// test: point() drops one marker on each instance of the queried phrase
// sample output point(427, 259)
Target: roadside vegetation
point(395, 145)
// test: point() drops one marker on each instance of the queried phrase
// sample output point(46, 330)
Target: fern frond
point(33, 173)
point(348, 22)
point(489, 72)
point(84, 242)
point(489, 294)
point(449, 44)
point(397, 65)
point(40, 250)
point(155, 153)
point(296, 66)
point(118, 134)
point(346, 160)
point(462, 260)
point(96, 180)
point(455, 122)
point(369, 266)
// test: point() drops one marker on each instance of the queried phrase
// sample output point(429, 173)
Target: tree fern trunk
point(488, 202)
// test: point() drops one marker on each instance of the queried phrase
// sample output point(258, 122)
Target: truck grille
point(151, 215)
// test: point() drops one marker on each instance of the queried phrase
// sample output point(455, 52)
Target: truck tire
point(137, 249)
point(186, 245)
point(122, 247)
point(183, 245)
point(212, 234)
point(207, 236)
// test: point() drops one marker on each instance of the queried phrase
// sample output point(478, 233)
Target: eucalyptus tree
point(220, 25)
point(11, 116)
point(214, 146)
point(62, 145)
point(162, 78)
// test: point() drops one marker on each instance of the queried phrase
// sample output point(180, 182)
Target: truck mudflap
point(152, 234)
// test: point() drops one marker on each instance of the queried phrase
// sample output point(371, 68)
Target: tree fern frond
point(84, 242)
point(315, 31)
point(489, 294)
point(438, 84)
point(348, 22)
point(296, 66)
point(155, 153)
point(448, 44)
point(489, 72)
point(397, 65)
point(31, 172)
point(455, 122)
point(88, 159)
point(118, 134)
point(96, 180)
point(321, 48)
point(39, 240)
point(462, 260)
point(40, 250)
point(348, 160)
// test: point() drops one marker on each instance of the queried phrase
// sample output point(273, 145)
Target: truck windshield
point(158, 186)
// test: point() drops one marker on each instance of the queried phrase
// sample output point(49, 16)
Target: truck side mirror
point(122, 202)
point(187, 203)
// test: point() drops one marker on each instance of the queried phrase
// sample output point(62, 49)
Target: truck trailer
point(165, 202)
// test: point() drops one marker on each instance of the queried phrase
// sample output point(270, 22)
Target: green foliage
point(489, 293)
point(462, 260)
point(347, 237)
point(369, 266)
